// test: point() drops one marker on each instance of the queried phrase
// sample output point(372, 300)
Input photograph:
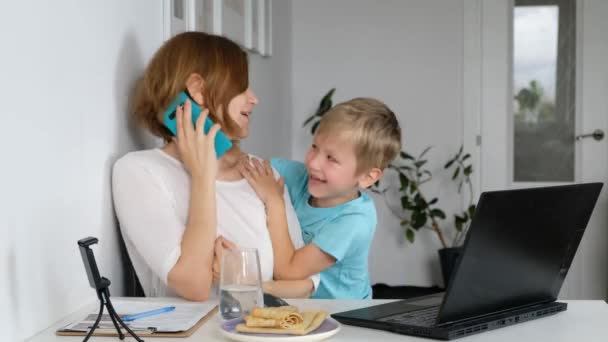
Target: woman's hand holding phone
point(196, 149)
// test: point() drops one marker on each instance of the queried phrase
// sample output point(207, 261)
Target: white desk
point(584, 321)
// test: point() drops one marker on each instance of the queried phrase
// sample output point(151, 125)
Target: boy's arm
point(345, 234)
point(281, 288)
point(291, 263)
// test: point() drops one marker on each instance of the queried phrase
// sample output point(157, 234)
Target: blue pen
point(129, 318)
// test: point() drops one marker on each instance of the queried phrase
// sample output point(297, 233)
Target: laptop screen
point(519, 248)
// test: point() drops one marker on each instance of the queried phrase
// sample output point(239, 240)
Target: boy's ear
point(196, 85)
point(370, 177)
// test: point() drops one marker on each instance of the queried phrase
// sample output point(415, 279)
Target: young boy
point(354, 142)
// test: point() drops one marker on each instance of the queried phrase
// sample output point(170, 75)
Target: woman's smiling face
point(240, 109)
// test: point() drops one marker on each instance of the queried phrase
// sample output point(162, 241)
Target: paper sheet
point(185, 316)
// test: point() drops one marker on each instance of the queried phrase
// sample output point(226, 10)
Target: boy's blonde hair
point(372, 128)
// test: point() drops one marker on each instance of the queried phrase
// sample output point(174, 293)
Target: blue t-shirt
point(344, 232)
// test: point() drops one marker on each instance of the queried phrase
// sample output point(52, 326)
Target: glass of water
point(240, 283)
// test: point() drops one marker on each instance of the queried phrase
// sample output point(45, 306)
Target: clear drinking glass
point(240, 283)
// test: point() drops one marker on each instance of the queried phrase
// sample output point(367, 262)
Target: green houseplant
point(417, 210)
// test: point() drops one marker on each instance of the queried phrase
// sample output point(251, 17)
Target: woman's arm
point(289, 288)
point(192, 275)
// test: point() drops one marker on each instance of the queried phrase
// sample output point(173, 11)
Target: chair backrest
point(130, 281)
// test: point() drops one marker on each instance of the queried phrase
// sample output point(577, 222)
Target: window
point(544, 90)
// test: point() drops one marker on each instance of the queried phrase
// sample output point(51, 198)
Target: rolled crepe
point(278, 317)
point(274, 312)
point(292, 320)
point(251, 321)
point(312, 320)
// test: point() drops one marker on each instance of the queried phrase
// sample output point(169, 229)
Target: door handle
point(598, 135)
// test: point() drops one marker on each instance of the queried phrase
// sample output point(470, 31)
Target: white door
point(536, 77)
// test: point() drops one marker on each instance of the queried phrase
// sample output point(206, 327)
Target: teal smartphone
point(222, 143)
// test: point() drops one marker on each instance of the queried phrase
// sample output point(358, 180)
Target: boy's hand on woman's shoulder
point(261, 178)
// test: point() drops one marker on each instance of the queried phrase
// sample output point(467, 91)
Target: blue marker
point(129, 318)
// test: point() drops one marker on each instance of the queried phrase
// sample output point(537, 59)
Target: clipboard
point(143, 333)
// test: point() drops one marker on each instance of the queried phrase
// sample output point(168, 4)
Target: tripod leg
point(117, 317)
point(96, 323)
point(120, 334)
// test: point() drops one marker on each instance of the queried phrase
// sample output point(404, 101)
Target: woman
point(173, 202)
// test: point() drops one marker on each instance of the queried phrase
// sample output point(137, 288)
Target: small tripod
point(101, 285)
point(103, 293)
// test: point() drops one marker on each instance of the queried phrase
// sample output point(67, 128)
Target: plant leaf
point(424, 152)
point(472, 210)
point(466, 156)
point(325, 103)
point(460, 150)
point(312, 117)
point(421, 203)
point(456, 173)
point(449, 163)
point(418, 219)
point(405, 203)
point(404, 181)
point(314, 127)
point(405, 222)
point(413, 187)
point(420, 163)
point(438, 213)
point(409, 234)
point(327, 98)
point(458, 226)
point(433, 201)
point(405, 155)
point(323, 109)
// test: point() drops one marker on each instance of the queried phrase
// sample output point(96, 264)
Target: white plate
point(327, 329)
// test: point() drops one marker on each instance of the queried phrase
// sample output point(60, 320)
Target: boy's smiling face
point(332, 170)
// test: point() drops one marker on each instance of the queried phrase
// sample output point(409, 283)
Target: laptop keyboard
point(424, 317)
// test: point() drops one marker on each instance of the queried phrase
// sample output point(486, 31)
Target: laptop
point(519, 248)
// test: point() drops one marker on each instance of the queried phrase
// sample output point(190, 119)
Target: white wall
point(6, 307)
point(269, 78)
point(408, 54)
point(67, 70)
